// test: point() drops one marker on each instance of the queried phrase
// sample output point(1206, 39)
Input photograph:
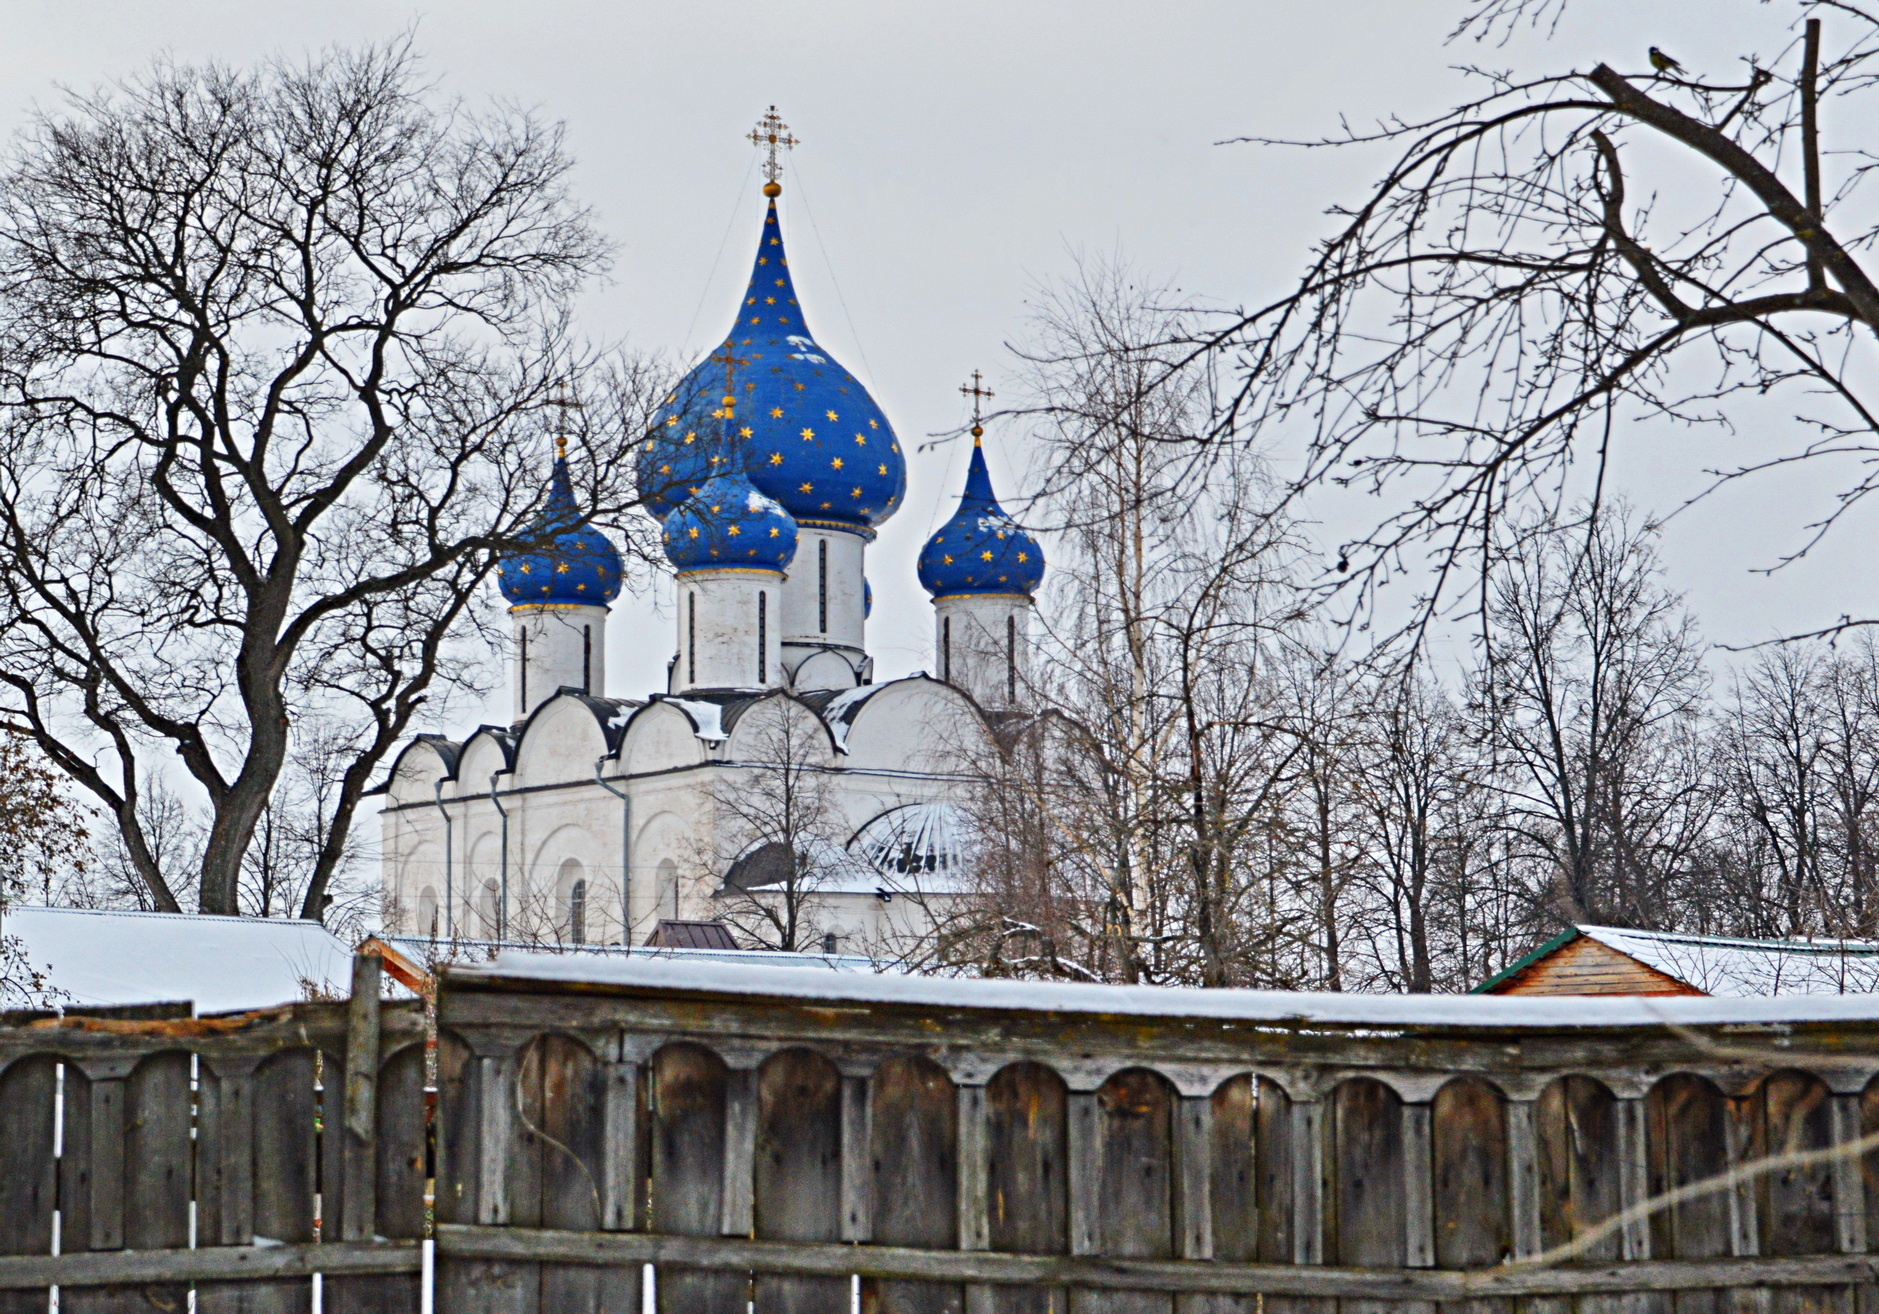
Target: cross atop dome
point(772, 136)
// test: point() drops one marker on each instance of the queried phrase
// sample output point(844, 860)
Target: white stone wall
point(554, 646)
point(823, 602)
point(901, 746)
point(981, 643)
point(719, 635)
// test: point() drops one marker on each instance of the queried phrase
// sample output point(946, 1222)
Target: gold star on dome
point(671, 421)
point(946, 561)
point(750, 301)
point(985, 556)
point(562, 568)
point(799, 387)
point(860, 441)
point(883, 469)
point(733, 531)
point(1023, 557)
point(692, 532)
point(776, 412)
point(807, 434)
point(763, 260)
point(525, 567)
point(691, 437)
point(774, 531)
point(665, 469)
point(768, 301)
point(776, 458)
point(856, 493)
point(744, 432)
point(874, 424)
point(779, 282)
point(806, 488)
point(837, 463)
point(832, 416)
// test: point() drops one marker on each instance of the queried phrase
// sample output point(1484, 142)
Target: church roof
point(981, 550)
point(727, 523)
point(811, 437)
point(579, 565)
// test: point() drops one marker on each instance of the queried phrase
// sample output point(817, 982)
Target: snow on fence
point(769, 1139)
point(764, 1142)
point(237, 1155)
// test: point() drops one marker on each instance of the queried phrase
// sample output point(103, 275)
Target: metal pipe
point(450, 900)
point(502, 909)
point(626, 853)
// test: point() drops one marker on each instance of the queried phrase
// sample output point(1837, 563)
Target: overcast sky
point(954, 155)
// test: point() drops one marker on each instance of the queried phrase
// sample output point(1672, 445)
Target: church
point(771, 786)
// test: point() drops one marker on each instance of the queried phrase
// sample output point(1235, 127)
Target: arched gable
point(487, 751)
point(779, 728)
point(561, 741)
point(419, 766)
point(916, 724)
point(659, 737)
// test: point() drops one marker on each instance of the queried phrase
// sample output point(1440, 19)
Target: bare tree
point(1516, 291)
point(277, 353)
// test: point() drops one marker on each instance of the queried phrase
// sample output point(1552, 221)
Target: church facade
point(772, 784)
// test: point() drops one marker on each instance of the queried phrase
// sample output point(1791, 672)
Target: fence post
point(857, 1175)
point(358, 1205)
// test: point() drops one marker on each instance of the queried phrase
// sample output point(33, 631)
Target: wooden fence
point(238, 1156)
point(949, 1147)
point(954, 1150)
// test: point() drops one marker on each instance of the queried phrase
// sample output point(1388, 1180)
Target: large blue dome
point(581, 565)
point(811, 437)
point(981, 549)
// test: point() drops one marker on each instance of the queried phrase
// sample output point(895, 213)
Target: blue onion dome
point(981, 549)
point(727, 524)
point(579, 565)
point(811, 437)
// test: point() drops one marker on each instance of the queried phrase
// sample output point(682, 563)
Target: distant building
point(1606, 960)
point(590, 819)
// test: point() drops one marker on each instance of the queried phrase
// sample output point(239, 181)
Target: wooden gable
point(1583, 966)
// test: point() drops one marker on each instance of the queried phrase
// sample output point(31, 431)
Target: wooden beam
point(208, 1264)
point(807, 1259)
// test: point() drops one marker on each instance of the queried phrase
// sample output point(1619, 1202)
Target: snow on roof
point(707, 718)
point(220, 964)
point(735, 974)
point(478, 954)
point(1742, 969)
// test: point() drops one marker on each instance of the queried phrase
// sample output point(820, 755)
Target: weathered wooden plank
point(857, 1177)
point(1793, 1114)
point(558, 1166)
point(77, 1273)
point(1235, 1188)
point(255, 1157)
point(1027, 1135)
point(29, 1089)
point(740, 1151)
point(1083, 1171)
point(1309, 1222)
point(359, 1214)
point(1176, 1275)
point(1135, 1213)
point(1193, 1166)
point(798, 1182)
point(1687, 1136)
point(477, 1097)
point(622, 1188)
point(913, 1163)
point(1418, 1184)
point(1523, 1179)
point(1469, 1208)
point(1849, 1208)
point(974, 1170)
point(688, 1099)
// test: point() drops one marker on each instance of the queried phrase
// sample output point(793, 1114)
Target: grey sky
point(954, 154)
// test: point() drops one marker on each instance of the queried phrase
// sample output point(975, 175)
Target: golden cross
point(563, 403)
point(772, 136)
point(730, 363)
point(978, 393)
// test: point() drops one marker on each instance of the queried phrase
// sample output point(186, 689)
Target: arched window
point(668, 887)
point(571, 895)
point(587, 659)
point(1011, 659)
point(763, 638)
point(492, 909)
point(946, 648)
point(522, 667)
point(822, 586)
point(427, 912)
point(691, 638)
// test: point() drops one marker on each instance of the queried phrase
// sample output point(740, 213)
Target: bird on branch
point(1664, 63)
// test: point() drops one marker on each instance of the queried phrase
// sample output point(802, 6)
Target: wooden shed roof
point(1609, 960)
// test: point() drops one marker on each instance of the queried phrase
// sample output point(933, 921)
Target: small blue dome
point(981, 549)
point(726, 523)
point(811, 438)
point(581, 565)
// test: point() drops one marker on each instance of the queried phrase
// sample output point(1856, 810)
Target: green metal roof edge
point(1528, 959)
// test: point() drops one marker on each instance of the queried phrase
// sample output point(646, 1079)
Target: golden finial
point(563, 403)
point(772, 136)
point(978, 392)
point(730, 363)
